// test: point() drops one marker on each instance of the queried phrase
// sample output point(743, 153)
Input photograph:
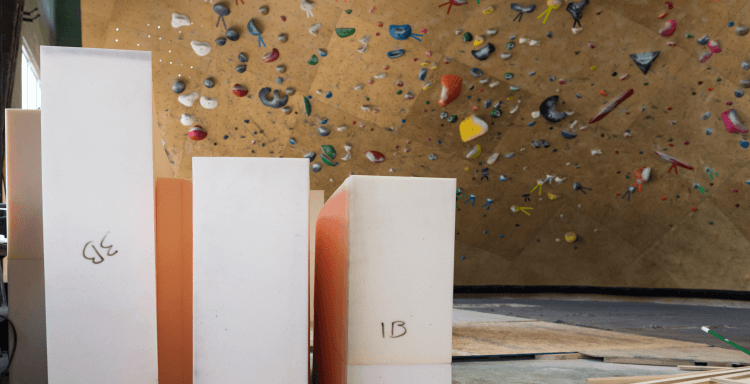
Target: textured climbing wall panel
point(669, 235)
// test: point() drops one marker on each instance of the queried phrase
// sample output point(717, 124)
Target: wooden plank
point(631, 379)
point(700, 367)
point(559, 356)
point(700, 377)
point(725, 381)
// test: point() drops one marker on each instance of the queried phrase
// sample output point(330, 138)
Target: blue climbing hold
point(709, 131)
point(731, 23)
point(744, 144)
point(531, 123)
point(329, 95)
point(422, 73)
point(738, 93)
point(323, 121)
point(395, 54)
point(403, 32)
point(322, 53)
point(279, 79)
point(292, 141)
point(476, 72)
point(568, 134)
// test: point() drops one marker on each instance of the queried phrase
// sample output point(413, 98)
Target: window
point(31, 86)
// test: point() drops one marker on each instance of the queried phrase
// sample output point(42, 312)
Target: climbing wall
point(346, 87)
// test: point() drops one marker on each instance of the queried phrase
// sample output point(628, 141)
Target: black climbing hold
point(220, 41)
point(242, 58)
point(703, 40)
point(467, 36)
point(484, 52)
point(645, 60)
point(547, 110)
point(310, 156)
point(549, 34)
point(232, 35)
point(276, 102)
point(576, 10)
point(221, 9)
point(521, 10)
point(178, 86)
point(544, 143)
point(240, 68)
point(208, 83)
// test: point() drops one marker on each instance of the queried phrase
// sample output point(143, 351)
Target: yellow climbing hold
point(427, 86)
point(552, 196)
point(474, 152)
point(467, 169)
point(593, 68)
point(570, 237)
point(425, 64)
point(434, 66)
point(488, 10)
point(510, 98)
point(472, 127)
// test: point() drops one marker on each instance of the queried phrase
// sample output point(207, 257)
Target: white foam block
point(250, 270)
point(23, 130)
point(98, 199)
point(399, 374)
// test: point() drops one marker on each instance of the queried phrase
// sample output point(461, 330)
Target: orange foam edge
point(331, 289)
point(174, 279)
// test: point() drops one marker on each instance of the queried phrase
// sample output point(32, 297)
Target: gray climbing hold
point(484, 52)
point(532, 73)
point(552, 78)
point(444, 115)
point(432, 156)
point(476, 72)
point(232, 35)
point(547, 110)
point(745, 83)
point(644, 61)
point(287, 109)
point(323, 132)
point(283, 37)
point(289, 91)
point(709, 131)
point(220, 41)
point(208, 83)
point(242, 58)
point(578, 95)
point(178, 86)
point(741, 31)
point(703, 40)
point(422, 73)
point(745, 65)
point(487, 103)
point(221, 9)
point(240, 68)
point(315, 167)
point(276, 102)
point(281, 68)
point(263, 10)
point(279, 79)
point(310, 156)
point(508, 156)
point(706, 116)
point(738, 93)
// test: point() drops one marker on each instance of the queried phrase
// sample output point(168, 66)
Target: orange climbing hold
point(601, 92)
point(451, 89)
point(663, 15)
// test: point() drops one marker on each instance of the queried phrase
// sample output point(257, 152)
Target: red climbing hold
point(669, 4)
point(197, 133)
point(271, 56)
point(611, 106)
point(239, 90)
point(451, 89)
point(669, 28)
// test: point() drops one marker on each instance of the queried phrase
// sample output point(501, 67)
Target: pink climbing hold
point(704, 57)
point(669, 28)
point(713, 45)
point(611, 106)
point(732, 122)
point(375, 156)
point(428, 54)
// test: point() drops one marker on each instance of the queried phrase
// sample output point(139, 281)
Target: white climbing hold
point(577, 30)
point(366, 108)
point(363, 49)
point(484, 81)
point(286, 110)
point(208, 102)
point(365, 39)
point(179, 20)
point(307, 7)
point(347, 147)
point(188, 100)
point(573, 124)
point(570, 113)
point(428, 85)
point(534, 43)
point(187, 119)
point(381, 76)
point(495, 84)
point(409, 96)
point(281, 68)
point(358, 87)
point(596, 152)
point(319, 91)
point(347, 156)
point(491, 32)
point(535, 114)
point(201, 48)
point(314, 29)
point(263, 10)
point(505, 56)
point(493, 158)
point(458, 32)
point(512, 111)
point(341, 128)
point(522, 40)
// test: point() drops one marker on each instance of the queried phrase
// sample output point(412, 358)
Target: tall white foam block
point(250, 270)
point(384, 282)
point(98, 201)
point(23, 130)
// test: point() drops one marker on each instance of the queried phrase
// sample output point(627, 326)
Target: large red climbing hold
point(271, 56)
point(197, 133)
point(669, 28)
point(375, 156)
point(451, 89)
point(611, 106)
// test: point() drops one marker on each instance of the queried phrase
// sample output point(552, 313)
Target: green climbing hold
point(645, 83)
point(467, 36)
point(344, 32)
point(398, 92)
point(329, 151)
point(367, 98)
point(313, 60)
point(327, 161)
point(496, 113)
point(453, 119)
point(348, 11)
point(508, 76)
point(577, 52)
point(689, 36)
point(711, 222)
point(308, 107)
point(427, 102)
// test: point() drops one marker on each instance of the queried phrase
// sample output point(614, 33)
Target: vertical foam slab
point(316, 204)
point(250, 270)
point(384, 279)
point(23, 130)
point(98, 201)
point(174, 279)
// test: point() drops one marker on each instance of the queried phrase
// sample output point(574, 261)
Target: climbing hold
point(570, 237)
point(197, 133)
point(510, 45)
point(668, 29)
point(745, 65)
point(713, 45)
point(705, 56)
point(496, 113)
point(263, 10)
point(645, 60)
point(732, 122)
point(738, 93)
point(329, 95)
point(508, 76)
point(289, 91)
point(505, 56)
point(276, 102)
point(476, 72)
point(283, 37)
point(307, 7)
point(478, 40)
point(323, 131)
point(703, 40)
point(422, 74)
point(220, 41)
point(474, 152)
point(611, 106)
point(240, 68)
point(568, 134)
point(221, 10)
point(345, 32)
point(242, 58)
point(395, 54)
point(322, 52)
point(208, 83)
point(521, 10)
point(327, 161)
point(314, 29)
point(292, 141)
point(484, 52)
point(576, 10)
point(308, 107)
point(467, 36)
point(239, 90)
point(178, 86)
point(329, 151)
point(232, 34)
point(271, 56)
point(188, 100)
point(741, 31)
point(253, 29)
point(179, 20)
point(375, 156)
point(472, 127)
point(200, 48)
point(279, 80)
point(453, 119)
point(745, 83)
point(451, 89)
point(287, 110)
point(187, 119)
point(547, 109)
point(315, 167)
point(208, 102)
point(706, 115)
point(313, 60)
